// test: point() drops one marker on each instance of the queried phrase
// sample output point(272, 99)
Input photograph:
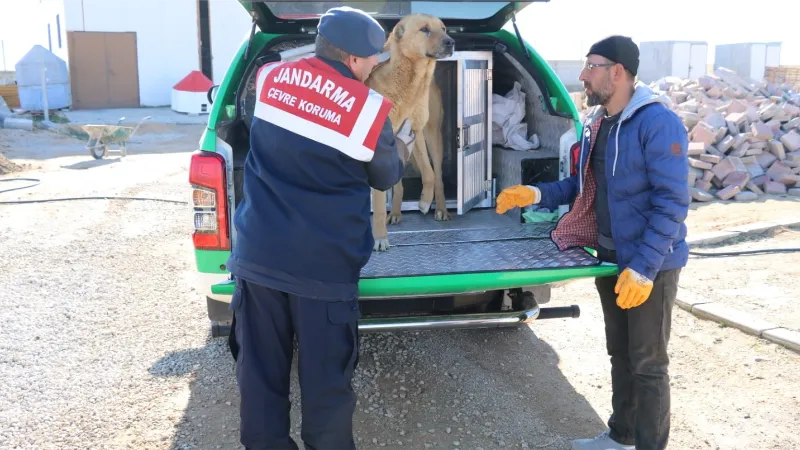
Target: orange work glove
point(517, 196)
point(633, 289)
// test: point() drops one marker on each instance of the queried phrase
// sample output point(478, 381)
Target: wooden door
point(103, 70)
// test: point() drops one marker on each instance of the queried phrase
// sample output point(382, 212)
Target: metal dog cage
point(465, 79)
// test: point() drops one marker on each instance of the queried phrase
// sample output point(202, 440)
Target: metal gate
point(474, 130)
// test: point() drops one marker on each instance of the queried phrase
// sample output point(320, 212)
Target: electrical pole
point(3, 46)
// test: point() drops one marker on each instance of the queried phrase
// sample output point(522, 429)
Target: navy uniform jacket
point(319, 140)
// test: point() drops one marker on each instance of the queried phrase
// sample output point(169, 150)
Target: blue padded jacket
point(648, 192)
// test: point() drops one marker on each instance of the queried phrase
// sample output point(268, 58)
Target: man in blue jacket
point(320, 139)
point(630, 197)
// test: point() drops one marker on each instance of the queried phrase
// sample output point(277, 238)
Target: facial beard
point(599, 96)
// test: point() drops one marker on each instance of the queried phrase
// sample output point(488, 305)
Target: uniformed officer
point(320, 138)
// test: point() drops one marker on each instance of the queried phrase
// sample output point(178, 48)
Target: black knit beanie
point(619, 49)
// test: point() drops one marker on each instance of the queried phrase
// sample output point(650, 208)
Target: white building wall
point(230, 28)
point(51, 13)
point(166, 38)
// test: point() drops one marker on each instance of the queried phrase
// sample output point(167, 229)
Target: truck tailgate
point(479, 251)
point(478, 242)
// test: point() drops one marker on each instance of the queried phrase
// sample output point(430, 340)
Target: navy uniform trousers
point(265, 323)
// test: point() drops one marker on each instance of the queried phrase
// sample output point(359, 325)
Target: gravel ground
point(764, 285)
point(106, 343)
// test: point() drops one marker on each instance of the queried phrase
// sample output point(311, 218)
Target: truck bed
point(480, 241)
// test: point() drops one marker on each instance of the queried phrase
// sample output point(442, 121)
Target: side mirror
point(212, 93)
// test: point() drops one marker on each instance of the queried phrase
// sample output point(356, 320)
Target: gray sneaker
point(602, 442)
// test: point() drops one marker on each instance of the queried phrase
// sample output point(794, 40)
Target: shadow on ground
point(492, 388)
point(83, 165)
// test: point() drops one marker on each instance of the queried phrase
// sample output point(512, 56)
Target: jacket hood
point(642, 95)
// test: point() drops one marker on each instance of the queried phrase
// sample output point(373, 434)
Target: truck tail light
point(574, 155)
point(209, 201)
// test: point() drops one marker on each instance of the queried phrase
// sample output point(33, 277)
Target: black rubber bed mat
point(479, 241)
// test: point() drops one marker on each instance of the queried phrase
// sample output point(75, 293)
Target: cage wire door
point(474, 130)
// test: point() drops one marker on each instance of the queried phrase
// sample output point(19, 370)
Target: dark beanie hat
point(352, 30)
point(620, 49)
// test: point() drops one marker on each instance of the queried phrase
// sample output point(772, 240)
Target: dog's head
point(419, 36)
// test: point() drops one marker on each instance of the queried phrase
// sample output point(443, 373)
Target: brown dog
point(414, 45)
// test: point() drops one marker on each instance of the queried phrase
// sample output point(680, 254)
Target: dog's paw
point(394, 218)
point(424, 207)
point(442, 214)
point(381, 245)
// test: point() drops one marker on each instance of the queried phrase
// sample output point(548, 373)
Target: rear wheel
point(99, 151)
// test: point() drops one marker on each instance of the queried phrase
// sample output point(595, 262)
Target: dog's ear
point(398, 31)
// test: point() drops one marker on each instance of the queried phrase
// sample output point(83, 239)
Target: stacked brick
point(744, 138)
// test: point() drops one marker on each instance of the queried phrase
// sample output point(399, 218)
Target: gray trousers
point(636, 340)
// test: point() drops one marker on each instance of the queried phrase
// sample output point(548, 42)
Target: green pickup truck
point(479, 269)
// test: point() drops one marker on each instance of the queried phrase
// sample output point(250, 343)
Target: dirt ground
point(766, 285)
point(106, 343)
point(721, 215)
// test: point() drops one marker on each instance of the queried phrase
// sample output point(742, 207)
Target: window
point(58, 29)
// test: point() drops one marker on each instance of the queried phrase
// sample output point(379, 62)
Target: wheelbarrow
point(102, 136)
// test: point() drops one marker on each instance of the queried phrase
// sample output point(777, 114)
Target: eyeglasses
point(590, 66)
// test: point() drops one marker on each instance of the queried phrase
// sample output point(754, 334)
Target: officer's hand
point(405, 140)
point(516, 196)
point(405, 133)
point(633, 289)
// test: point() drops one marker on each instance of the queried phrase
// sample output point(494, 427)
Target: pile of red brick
point(744, 138)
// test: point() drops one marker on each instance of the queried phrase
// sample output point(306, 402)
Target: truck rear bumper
point(462, 321)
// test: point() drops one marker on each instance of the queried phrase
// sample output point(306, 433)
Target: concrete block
point(696, 148)
point(774, 188)
point(690, 119)
point(740, 151)
point(701, 195)
point(745, 196)
point(791, 141)
point(703, 185)
point(733, 129)
point(787, 338)
point(776, 148)
point(761, 131)
point(739, 179)
point(712, 150)
point(794, 192)
point(778, 171)
point(737, 106)
point(733, 318)
point(728, 192)
point(765, 160)
point(707, 175)
point(712, 237)
point(715, 121)
point(753, 168)
point(773, 125)
point(713, 159)
point(738, 118)
point(749, 160)
point(18, 123)
point(753, 188)
point(697, 164)
point(701, 133)
point(760, 181)
point(726, 144)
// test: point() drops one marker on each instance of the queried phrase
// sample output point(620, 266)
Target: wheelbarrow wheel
point(99, 151)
